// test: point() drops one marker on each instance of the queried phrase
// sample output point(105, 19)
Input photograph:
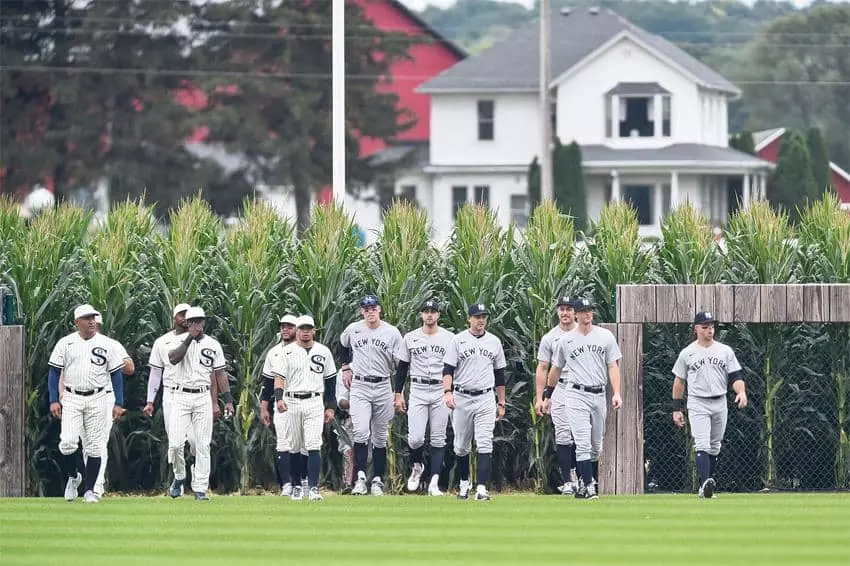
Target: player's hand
point(196, 333)
point(265, 416)
point(118, 412)
point(679, 418)
point(216, 411)
point(281, 406)
point(547, 406)
point(329, 415)
point(616, 401)
point(228, 410)
point(56, 410)
point(398, 403)
point(347, 375)
point(500, 412)
point(344, 404)
point(538, 407)
point(449, 399)
point(741, 399)
point(148, 410)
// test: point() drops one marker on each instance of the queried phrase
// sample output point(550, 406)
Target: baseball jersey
point(546, 350)
point(586, 357)
point(474, 359)
point(202, 358)
point(87, 364)
point(159, 355)
point(372, 349)
point(706, 370)
point(273, 353)
point(304, 369)
point(425, 352)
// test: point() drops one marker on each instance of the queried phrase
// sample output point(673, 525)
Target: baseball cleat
point(72, 486)
point(314, 494)
point(463, 491)
point(377, 487)
point(707, 488)
point(360, 485)
point(297, 493)
point(481, 494)
point(90, 497)
point(590, 492)
point(201, 496)
point(176, 489)
point(415, 476)
point(286, 490)
point(305, 485)
point(434, 489)
point(567, 489)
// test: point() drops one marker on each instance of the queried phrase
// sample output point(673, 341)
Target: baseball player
point(305, 394)
point(91, 363)
point(366, 350)
point(589, 355)
point(557, 405)
point(421, 352)
point(285, 468)
point(474, 365)
point(198, 368)
point(707, 366)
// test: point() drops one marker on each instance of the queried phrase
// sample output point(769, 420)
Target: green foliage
point(532, 180)
point(568, 180)
point(688, 253)
point(816, 145)
point(791, 185)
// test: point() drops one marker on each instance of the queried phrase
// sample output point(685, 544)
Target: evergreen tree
point(569, 182)
point(746, 143)
point(816, 145)
point(792, 183)
point(533, 183)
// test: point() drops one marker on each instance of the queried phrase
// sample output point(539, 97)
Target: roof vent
point(565, 11)
point(593, 10)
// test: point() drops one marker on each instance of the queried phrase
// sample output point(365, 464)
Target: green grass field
point(523, 530)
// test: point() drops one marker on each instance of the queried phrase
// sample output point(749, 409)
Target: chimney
point(565, 11)
point(593, 10)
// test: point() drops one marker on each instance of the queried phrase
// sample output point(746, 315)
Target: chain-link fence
point(794, 433)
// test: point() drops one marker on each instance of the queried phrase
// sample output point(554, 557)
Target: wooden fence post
point(12, 412)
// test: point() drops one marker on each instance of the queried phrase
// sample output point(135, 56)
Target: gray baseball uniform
point(474, 359)
point(706, 372)
point(585, 358)
point(372, 364)
point(558, 410)
point(425, 353)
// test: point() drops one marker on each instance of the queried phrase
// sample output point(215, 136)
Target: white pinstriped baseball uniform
point(88, 397)
point(192, 407)
point(304, 371)
point(280, 422)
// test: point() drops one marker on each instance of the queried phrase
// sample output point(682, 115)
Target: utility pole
point(338, 99)
point(546, 183)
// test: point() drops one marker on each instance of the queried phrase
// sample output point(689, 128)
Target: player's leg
point(579, 408)
point(295, 429)
point(382, 415)
point(93, 432)
point(484, 422)
point(313, 424)
point(564, 446)
point(598, 414)
point(202, 427)
point(417, 421)
point(69, 439)
point(100, 483)
point(180, 419)
point(462, 425)
point(438, 419)
point(360, 409)
point(719, 416)
point(699, 417)
point(283, 449)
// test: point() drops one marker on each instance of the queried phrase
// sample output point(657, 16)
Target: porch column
point(615, 186)
point(762, 186)
point(674, 189)
point(746, 191)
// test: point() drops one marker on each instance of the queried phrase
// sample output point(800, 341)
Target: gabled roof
point(431, 30)
point(764, 138)
point(513, 64)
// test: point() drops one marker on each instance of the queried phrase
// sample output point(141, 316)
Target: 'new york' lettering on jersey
point(475, 359)
point(585, 357)
point(202, 358)
point(159, 355)
point(706, 370)
point(372, 349)
point(87, 364)
point(304, 369)
point(425, 352)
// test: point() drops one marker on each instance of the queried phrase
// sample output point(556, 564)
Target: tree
point(792, 183)
point(569, 182)
point(746, 143)
point(816, 145)
point(533, 183)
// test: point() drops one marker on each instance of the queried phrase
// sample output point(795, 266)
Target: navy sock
point(314, 465)
point(485, 463)
point(416, 455)
point(92, 470)
point(280, 481)
point(563, 452)
point(283, 463)
point(712, 461)
point(379, 461)
point(703, 466)
point(595, 466)
point(437, 455)
point(463, 467)
point(69, 465)
point(293, 475)
point(361, 455)
point(585, 470)
point(572, 456)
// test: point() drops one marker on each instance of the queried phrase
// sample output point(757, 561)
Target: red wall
point(771, 151)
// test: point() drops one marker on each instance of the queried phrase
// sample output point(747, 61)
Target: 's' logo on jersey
point(207, 357)
point(98, 356)
point(317, 364)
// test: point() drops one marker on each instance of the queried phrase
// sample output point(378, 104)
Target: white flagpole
point(338, 100)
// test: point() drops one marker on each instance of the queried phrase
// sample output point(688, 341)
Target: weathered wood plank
point(724, 303)
point(12, 449)
point(705, 299)
point(773, 305)
point(630, 471)
point(839, 303)
point(608, 460)
point(635, 303)
point(675, 303)
point(815, 303)
point(747, 303)
point(794, 303)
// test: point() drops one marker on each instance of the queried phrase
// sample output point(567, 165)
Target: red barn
point(767, 146)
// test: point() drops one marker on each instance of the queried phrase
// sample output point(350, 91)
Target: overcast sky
point(419, 4)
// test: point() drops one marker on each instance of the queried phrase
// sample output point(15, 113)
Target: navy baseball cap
point(565, 301)
point(477, 309)
point(705, 317)
point(583, 305)
point(369, 301)
point(430, 304)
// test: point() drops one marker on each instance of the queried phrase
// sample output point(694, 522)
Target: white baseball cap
point(84, 310)
point(305, 320)
point(98, 319)
point(195, 312)
point(180, 308)
point(289, 319)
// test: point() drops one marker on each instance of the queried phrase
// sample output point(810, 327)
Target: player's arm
point(739, 387)
point(499, 382)
point(117, 378)
point(329, 393)
point(176, 355)
point(678, 401)
point(279, 386)
point(614, 379)
point(541, 377)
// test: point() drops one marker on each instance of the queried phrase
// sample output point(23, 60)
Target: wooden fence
point(12, 412)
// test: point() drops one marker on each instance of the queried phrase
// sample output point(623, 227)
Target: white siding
point(454, 130)
point(422, 182)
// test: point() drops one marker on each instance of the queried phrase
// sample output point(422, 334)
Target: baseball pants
point(191, 411)
point(99, 484)
point(371, 411)
point(474, 416)
point(306, 421)
point(707, 417)
point(281, 429)
point(586, 413)
point(83, 417)
point(167, 392)
point(561, 417)
point(426, 407)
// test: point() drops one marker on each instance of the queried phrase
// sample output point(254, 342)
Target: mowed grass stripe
point(776, 529)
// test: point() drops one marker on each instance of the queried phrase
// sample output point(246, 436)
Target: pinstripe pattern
point(305, 420)
point(83, 417)
point(281, 430)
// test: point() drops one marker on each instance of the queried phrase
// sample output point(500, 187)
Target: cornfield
point(134, 268)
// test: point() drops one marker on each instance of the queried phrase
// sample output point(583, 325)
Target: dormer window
point(637, 110)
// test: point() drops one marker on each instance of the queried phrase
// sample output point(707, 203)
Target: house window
point(640, 197)
point(665, 116)
point(458, 199)
point(485, 119)
point(519, 210)
point(636, 117)
point(553, 115)
point(665, 200)
point(408, 193)
point(482, 194)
